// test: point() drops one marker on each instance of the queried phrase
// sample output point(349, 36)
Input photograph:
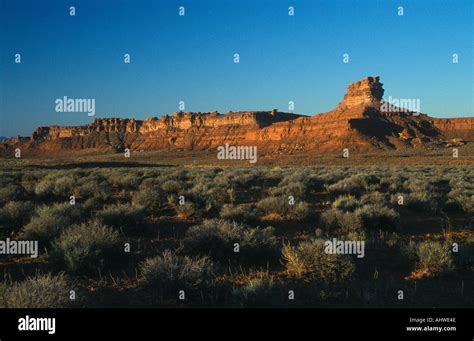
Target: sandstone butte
point(357, 123)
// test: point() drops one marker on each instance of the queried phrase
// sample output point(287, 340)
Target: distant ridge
point(358, 123)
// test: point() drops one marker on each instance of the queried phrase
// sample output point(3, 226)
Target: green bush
point(255, 293)
point(345, 222)
point(123, 216)
point(377, 217)
point(187, 211)
point(373, 198)
point(208, 196)
point(346, 203)
point(417, 201)
point(124, 181)
point(16, 213)
point(3, 290)
point(217, 237)
point(49, 221)
point(295, 189)
point(87, 246)
point(93, 204)
point(354, 184)
point(44, 188)
point(92, 186)
point(310, 260)
point(435, 257)
point(12, 192)
point(274, 205)
point(62, 186)
point(152, 199)
point(281, 207)
point(241, 213)
point(41, 291)
point(463, 198)
point(299, 211)
point(172, 272)
point(171, 186)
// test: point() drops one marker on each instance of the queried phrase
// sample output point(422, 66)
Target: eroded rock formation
point(357, 123)
point(366, 92)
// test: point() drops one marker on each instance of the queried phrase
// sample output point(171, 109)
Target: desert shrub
point(187, 211)
point(274, 205)
point(29, 189)
point(332, 177)
point(49, 221)
point(377, 217)
point(345, 222)
point(41, 291)
point(94, 204)
point(256, 292)
point(63, 187)
point(55, 185)
point(171, 186)
point(208, 196)
point(394, 183)
point(239, 179)
point(175, 199)
point(435, 257)
point(31, 176)
point(418, 184)
point(237, 213)
point(12, 192)
point(6, 179)
point(152, 199)
point(373, 198)
point(310, 260)
point(299, 211)
point(124, 181)
point(44, 188)
point(280, 207)
point(354, 184)
point(408, 250)
point(16, 213)
point(123, 216)
point(91, 186)
point(172, 272)
point(419, 201)
point(346, 203)
point(464, 199)
point(3, 290)
point(296, 189)
point(150, 183)
point(216, 238)
point(87, 246)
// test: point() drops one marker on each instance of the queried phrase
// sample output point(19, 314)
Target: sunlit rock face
point(366, 92)
point(357, 122)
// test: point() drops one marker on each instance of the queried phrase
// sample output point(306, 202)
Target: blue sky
point(190, 58)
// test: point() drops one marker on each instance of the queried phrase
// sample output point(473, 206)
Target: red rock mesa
point(357, 123)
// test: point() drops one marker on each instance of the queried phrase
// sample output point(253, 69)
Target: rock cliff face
point(366, 92)
point(455, 127)
point(357, 123)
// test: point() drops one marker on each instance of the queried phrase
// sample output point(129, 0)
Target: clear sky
point(190, 58)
